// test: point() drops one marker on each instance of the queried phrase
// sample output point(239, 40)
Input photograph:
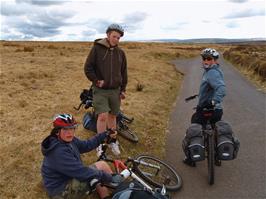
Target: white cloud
point(238, 1)
point(232, 24)
point(250, 12)
point(88, 20)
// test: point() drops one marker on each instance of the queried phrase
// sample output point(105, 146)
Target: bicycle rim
point(211, 160)
point(166, 175)
point(126, 133)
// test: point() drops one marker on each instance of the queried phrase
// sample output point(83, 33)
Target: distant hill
point(210, 40)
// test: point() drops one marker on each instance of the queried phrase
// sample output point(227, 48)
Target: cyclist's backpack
point(90, 121)
point(134, 190)
point(227, 143)
point(193, 143)
point(86, 97)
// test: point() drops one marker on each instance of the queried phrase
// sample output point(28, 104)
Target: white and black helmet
point(115, 27)
point(209, 52)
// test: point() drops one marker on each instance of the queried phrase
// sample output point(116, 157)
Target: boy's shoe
point(189, 162)
point(115, 147)
point(99, 150)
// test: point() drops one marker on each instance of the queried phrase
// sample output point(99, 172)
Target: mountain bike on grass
point(150, 175)
point(90, 118)
point(212, 140)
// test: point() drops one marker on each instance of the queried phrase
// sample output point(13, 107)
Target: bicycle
point(123, 129)
point(148, 170)
point(210, 142)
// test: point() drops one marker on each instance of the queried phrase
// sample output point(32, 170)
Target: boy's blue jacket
point(62, 162)
point(212, 87)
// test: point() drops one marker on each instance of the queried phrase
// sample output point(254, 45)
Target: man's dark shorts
point(106, 100)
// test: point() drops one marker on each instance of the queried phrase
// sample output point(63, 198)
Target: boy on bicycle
point(211, 91)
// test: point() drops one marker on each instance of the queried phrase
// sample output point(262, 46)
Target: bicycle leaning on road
point(154, 175)
point(218, 142)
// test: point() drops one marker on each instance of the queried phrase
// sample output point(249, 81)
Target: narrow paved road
point(245, 109)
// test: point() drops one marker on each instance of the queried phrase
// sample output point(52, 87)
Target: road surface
point(245, 110)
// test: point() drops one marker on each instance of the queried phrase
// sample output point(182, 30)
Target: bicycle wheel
point(126, 133)
point(211, 159)
point(157, 173)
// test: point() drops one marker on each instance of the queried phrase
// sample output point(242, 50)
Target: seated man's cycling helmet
point(115, 27)
point(209, 52)
point(64, 121)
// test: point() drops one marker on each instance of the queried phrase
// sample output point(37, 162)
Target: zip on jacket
point(107, 63)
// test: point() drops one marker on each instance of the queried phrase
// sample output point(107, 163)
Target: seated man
point(64, 175)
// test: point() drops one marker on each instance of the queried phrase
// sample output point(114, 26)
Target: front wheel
point(126, 133)
point(157, 173)
point(211, 159)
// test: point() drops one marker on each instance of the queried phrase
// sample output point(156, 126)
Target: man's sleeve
point(216, 81)
point(67, 164)
point(90, 64)
point(124, 73)
point(88, 145)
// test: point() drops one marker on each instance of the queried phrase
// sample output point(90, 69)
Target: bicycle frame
point(121, 168)
point(209, 134)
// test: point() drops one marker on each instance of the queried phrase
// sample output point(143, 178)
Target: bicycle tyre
point(126, 133)
point(159, 177)
point(211, 159)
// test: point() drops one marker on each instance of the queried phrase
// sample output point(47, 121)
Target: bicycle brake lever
point(190, 98)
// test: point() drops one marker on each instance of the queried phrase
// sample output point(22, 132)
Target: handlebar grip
point(191, 97)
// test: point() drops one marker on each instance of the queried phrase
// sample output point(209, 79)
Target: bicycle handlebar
point(191, 98)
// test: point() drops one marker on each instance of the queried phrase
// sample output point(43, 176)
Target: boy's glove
point(92, 185)
point(111, 134)
point(116, 179)
point(211, 104)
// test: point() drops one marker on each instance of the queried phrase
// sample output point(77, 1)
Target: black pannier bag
point(227, 143)
point(86, 97)
point(193, 143)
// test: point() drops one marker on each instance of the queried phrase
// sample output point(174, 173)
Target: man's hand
point(210, 104)
point(122, 95)
point(112, 133)
point(100, 83)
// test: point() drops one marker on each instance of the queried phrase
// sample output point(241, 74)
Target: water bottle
point(125, 173)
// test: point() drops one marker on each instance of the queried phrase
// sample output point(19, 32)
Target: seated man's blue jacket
point(62, 162)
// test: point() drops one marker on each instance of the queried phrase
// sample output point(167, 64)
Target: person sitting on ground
point(211, 91)
point(63, 173)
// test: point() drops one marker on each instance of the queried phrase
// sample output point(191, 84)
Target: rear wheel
point(126, 133)
point(157, 173)
point(211, 159)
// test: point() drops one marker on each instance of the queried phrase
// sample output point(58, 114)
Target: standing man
point(106, 68)
point(211, 91)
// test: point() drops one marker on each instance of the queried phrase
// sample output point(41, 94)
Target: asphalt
point(245, 109)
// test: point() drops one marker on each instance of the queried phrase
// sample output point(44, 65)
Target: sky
point(81, 20)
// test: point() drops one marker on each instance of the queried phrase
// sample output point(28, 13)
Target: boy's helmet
point(64, 121)
point(115, 27)
point(210, 52)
